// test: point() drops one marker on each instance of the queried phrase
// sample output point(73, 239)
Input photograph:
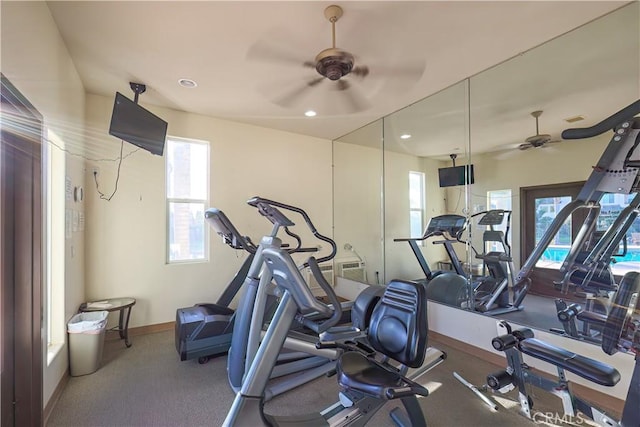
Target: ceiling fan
point(537, 140)
point(334, 63)
point(336, 69)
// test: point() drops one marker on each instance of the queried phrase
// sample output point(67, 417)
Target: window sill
point(52, 351)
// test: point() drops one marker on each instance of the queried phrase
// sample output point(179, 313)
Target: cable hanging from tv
point(136, 125)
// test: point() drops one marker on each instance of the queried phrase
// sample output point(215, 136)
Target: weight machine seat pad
point(215, 309)
point(356, 372)
point(592, 370)
point(399, 325)
point(593, 318)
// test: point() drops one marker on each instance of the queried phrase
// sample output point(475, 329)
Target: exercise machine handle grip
point(400, 392)
point(259, 201)
point(319, 327)
point(607, 124)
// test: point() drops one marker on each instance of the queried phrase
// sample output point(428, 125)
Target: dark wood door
point(20, 260)
point(538, 206)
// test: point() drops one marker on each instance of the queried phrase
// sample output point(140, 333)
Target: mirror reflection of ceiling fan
point(537, 140)
point(334, 66)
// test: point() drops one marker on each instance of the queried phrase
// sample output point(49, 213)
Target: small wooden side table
point(122, 305)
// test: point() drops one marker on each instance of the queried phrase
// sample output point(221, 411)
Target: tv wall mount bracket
point(137, 88)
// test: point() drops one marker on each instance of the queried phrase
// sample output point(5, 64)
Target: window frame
point(170, 200)
point(55, 212)
point(423, 203)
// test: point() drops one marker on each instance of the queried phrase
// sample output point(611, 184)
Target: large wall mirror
point(420, 141)
point(575, 80)
point(495, 121)
point(358, 213)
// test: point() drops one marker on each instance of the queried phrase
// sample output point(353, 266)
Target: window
point(54, 235)
point(416, 203)
point(612, 206)
point(187, 168)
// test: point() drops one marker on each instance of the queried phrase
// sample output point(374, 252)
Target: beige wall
point(358, 207)
point(126, 238)
point(36, 61)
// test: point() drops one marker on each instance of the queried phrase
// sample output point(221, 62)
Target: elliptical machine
point(398, 330)
point(302, 357)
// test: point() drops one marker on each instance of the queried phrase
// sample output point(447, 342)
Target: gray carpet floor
point(147, 385)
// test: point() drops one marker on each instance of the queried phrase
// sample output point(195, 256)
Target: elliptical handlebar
point(225, 228)
point(319, 327)
point(609, 123)
point(268, 208)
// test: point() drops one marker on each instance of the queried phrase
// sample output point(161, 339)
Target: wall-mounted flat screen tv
point(455, 175)
point(133, 123)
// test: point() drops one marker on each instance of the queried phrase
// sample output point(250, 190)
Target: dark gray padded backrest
point(399, 326)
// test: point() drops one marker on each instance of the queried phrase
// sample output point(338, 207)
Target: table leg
point(124, 329)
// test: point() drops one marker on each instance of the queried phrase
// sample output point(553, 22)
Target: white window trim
point(422, 208)
point(169, 200)
point(54, 237)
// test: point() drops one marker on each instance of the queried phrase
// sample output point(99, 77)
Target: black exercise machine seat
point(592, 370)
point(398, 330)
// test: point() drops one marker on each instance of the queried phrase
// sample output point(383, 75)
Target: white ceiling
point(245, 55)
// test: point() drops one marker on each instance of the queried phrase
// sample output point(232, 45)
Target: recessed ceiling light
point(187, 83)
point(310, 113)
point(405, 136)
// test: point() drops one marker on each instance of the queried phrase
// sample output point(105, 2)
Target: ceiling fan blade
point(355, 101)
point(264, 51)
point(413, 70)
point(292, 97)
point(524, 146)
point(315, 81)
point(342, 84)
point(360, 71)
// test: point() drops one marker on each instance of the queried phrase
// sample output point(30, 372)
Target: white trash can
point(86, 341)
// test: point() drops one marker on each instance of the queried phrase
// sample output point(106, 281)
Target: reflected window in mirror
point(626, 256)
point(416, 204)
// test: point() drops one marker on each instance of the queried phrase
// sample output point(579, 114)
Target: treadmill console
point(492, 217)
point(449, 224)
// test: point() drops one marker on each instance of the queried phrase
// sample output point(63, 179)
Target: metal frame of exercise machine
point(367, 383)
point(616, 172)
point(621, 333)
point(205, 330)
point(303, 358)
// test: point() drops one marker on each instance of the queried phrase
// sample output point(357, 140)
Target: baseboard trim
point(609, 403)
point(152, 329)
point(55, 396)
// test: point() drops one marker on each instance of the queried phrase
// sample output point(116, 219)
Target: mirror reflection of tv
point(455, 175)
point(133, 123)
